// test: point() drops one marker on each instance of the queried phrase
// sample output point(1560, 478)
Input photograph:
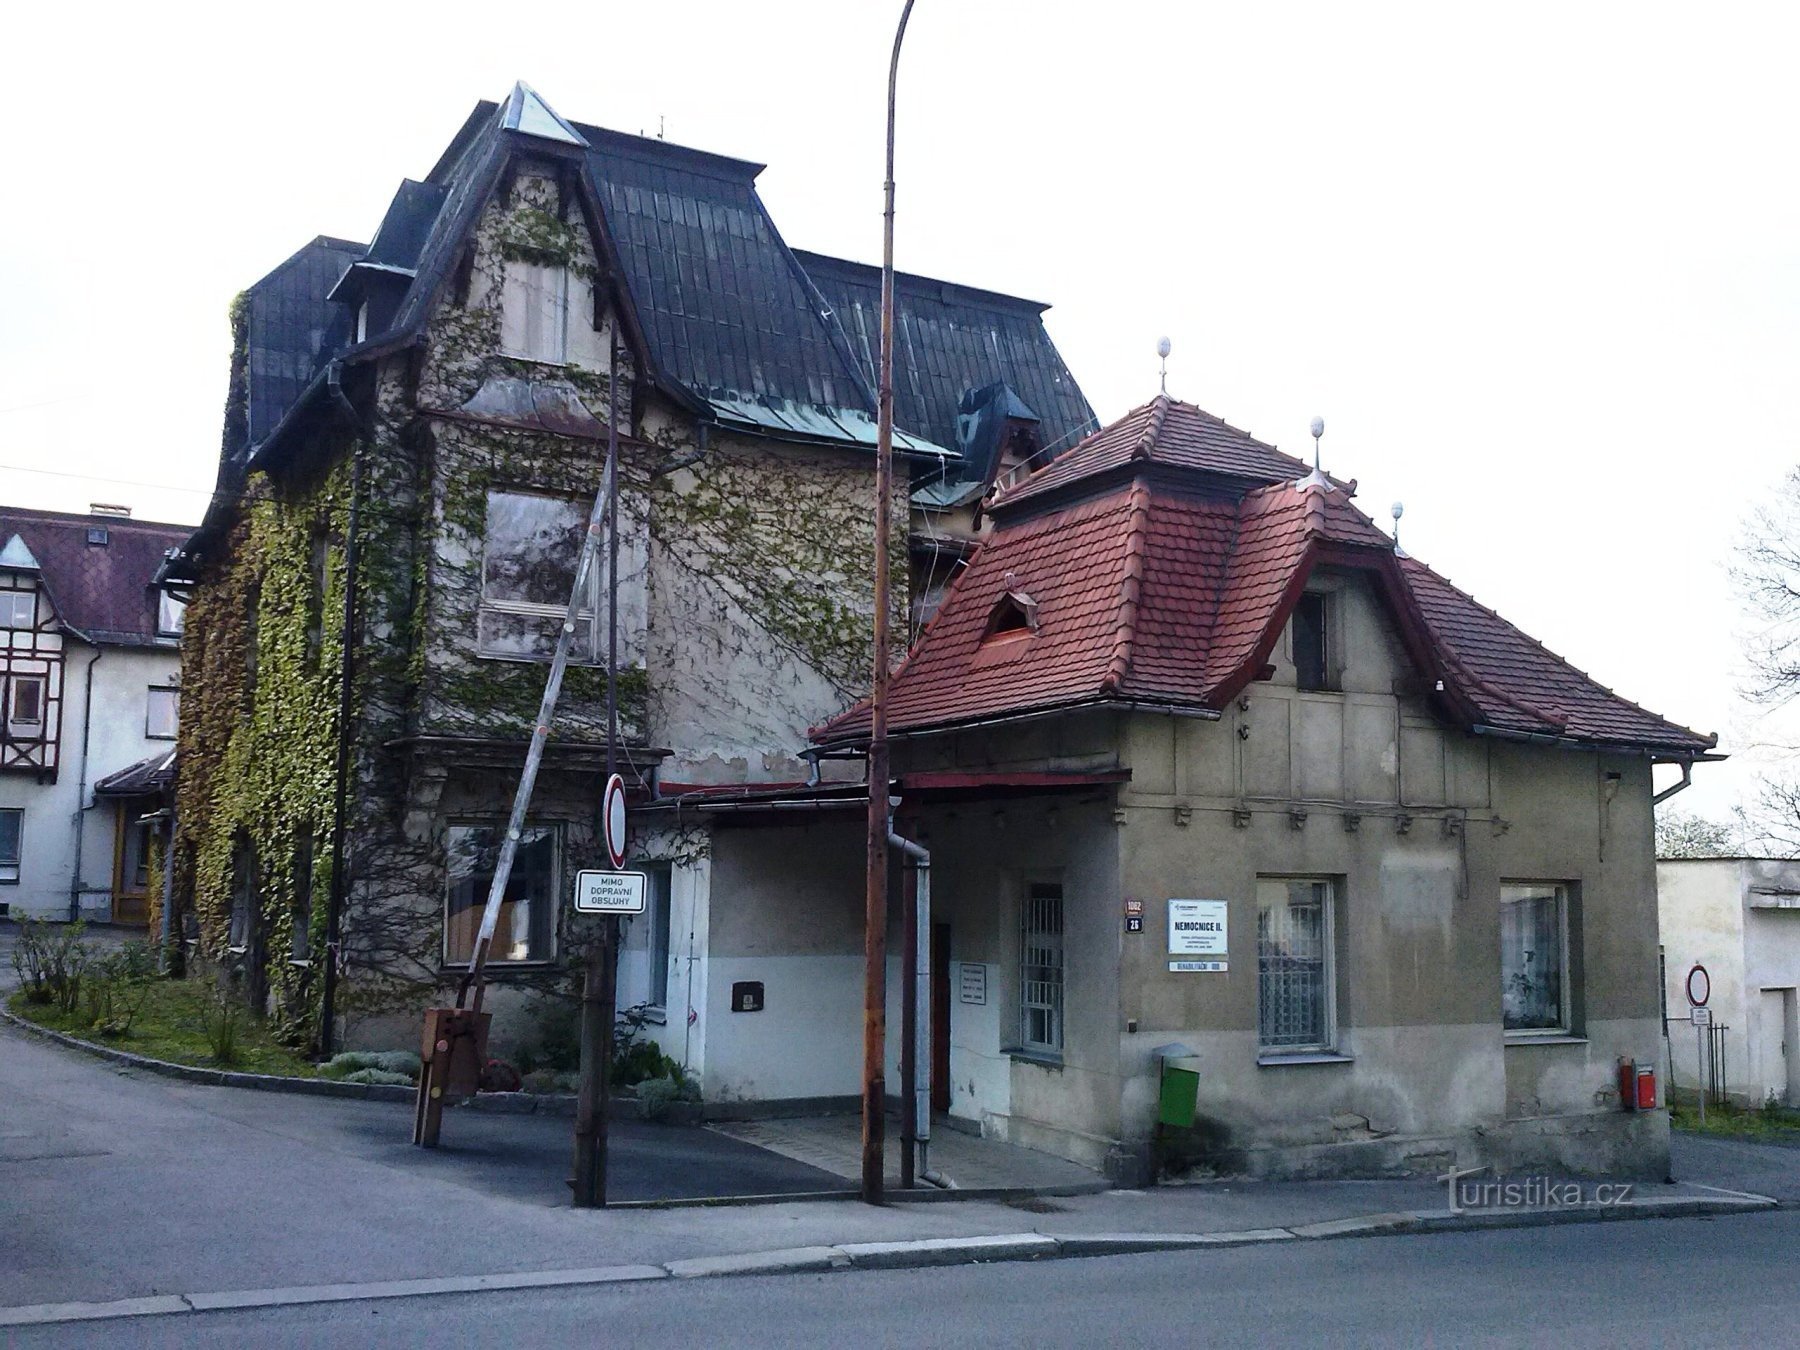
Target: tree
point(1767, 573)
point(1680, 834)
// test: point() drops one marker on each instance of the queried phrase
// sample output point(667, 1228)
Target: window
point(1311, 659)
point(528, 568)
point(18, 609)
point(1041, 968)
point(300, 943)
point(25, 700)
point(163, 714)
point(1294, 975)
point(12, 828)
point(1534, 956)
point(243, 896)
point(657, 995)
point(171, 615)
point(99, 535)
point(534, 311)
point(527, 927)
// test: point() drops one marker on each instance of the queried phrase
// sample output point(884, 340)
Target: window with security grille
point(1294, 976)
point(1534, 956)
point(1041, 968)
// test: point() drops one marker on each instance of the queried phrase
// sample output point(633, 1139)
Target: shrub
point(377, 1076)
point(401, 1063)
point(657, 1096)
point(51, 959)
point(499, 1076)
point(115, 986)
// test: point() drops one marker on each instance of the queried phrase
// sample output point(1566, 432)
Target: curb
point(905, 1255)
point(560, 1104)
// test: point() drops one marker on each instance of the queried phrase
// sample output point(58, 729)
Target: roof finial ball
point(1397, 510)
point(1318, 430)
point(1163, 348)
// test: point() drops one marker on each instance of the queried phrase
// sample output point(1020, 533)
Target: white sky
point(1537, 269)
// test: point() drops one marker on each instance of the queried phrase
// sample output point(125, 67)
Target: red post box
point(1646, 1088)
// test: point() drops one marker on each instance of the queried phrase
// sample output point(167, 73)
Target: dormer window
point(171, 615)
point(1013, 613)
point(1311, 637)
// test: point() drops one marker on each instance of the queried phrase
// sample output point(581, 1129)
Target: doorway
point(940, 1017)
point(1779, 1034)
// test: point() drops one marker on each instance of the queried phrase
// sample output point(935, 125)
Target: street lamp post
point(875, 917)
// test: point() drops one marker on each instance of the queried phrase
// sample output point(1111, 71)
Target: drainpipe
point(87, 727)
point(915, 1045)
point(340, 881)
point(168, 890)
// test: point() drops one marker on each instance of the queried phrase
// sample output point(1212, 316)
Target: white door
point(1779, 1040)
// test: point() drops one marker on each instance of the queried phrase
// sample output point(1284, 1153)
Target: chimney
point(111, 509)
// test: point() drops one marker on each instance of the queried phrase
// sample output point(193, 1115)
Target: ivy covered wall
point(757, 582)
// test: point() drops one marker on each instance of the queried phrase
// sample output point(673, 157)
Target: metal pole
point(599, 995)
point(875, 915)
point(909, 1045)
point(1700, 1068)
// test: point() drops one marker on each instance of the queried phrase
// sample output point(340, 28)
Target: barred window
point(1041, 968)
point(1294, 975)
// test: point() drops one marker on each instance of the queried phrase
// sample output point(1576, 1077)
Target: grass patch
point(172, 1025)
point(1770, 1124)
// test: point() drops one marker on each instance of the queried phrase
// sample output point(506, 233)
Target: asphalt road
point(1676, 1282)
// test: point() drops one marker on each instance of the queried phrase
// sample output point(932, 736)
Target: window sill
point(1544, 1038)
point(1274, 1059)
point(495, 967)
point(1044, 1059)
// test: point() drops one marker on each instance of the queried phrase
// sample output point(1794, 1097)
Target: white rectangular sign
point(1196, 965)
point(610, 892)
point(1198, 928)
point(972, 983)
point(1700, 1017)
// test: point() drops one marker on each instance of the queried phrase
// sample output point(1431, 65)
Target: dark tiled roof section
point(723, 303)
point(950, 339)
point(146, 776)
point(407, 225)
point(1520, 685)
point(1073, 564)
point(101, 589)
point(1163, 431)
point(292, 329)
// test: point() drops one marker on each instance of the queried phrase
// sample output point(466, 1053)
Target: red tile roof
point(102, 590)
point(1173, 590)
point(1163, 431)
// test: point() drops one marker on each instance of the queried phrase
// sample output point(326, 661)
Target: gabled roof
point(1171, 586)
point(1162, 431)
point(146, 776)
point(103, 591)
